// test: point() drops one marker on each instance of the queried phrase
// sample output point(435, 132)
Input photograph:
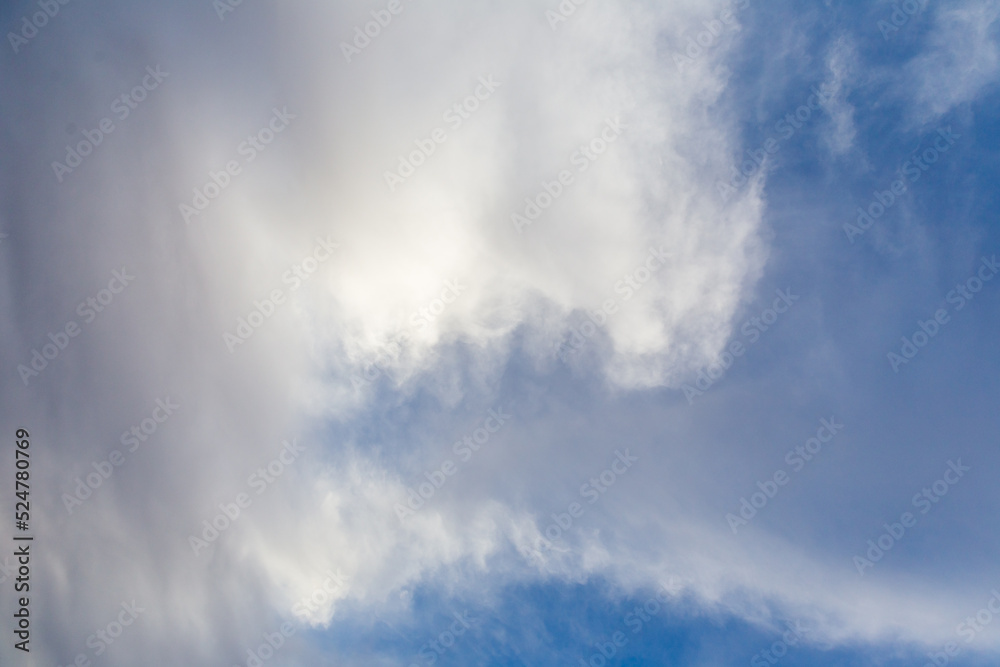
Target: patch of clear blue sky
point(560, 624)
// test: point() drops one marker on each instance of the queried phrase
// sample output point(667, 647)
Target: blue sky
point(733, 405)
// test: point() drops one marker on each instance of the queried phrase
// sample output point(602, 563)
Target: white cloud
point(961, 58)
point(450, 221)
point(323, 176)
point(842, 66)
